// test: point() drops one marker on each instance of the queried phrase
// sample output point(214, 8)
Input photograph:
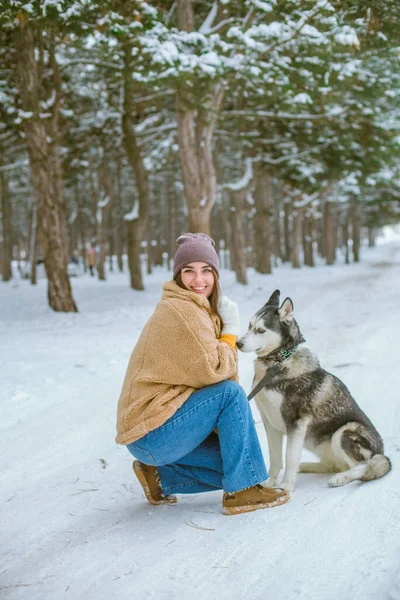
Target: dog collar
point(274, 370)
point(280, 356)
point(284, 354)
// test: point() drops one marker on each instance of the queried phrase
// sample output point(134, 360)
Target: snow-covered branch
point(333, 114)
point(15, 165)
point(209, 20)
point(152, 130)
point(93, 62)
point(303, 21)
point(134, 214)
point(103, 202)
point(243, 182)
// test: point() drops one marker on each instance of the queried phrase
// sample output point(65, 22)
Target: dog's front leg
point(294, 446)
point(275, 443)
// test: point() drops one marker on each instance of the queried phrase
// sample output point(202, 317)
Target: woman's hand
point(230, 315)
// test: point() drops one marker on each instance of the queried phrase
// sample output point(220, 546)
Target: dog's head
point(272, 327)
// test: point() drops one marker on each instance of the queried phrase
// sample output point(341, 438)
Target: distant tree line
point(272, 125)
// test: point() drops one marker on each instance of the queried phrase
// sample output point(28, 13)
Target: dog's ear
point(286, 310)
point(274, 299)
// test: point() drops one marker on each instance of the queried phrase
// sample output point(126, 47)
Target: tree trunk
point(297, 219)
point(172, 212)
point(329, 233)
point(195, 133)
point(262, 220)
point(138, 228)
point(42, 144)
point(120, 229)
point(308, 240)
point(151, 250)
point(81, 226)
point(103, 215)
point(277, 227)
point(238, 246)
point(111, 247)
point(133, 242)
point(345, 234)
point(287, 230)
point(33, 246)
point(94, 193)
point(355, 225)
point(371, 237)
point(198, 172)
point(7, 227)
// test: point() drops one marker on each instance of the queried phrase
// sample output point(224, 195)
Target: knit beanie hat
point(195, 247)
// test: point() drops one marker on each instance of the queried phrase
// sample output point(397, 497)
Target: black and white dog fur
point(308, 404)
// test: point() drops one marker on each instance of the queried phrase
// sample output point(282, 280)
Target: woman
point(181, 387)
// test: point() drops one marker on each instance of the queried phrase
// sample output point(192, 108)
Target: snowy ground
point(74, 522)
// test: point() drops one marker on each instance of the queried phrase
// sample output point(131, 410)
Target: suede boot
point(252, 498)
point(150, 482)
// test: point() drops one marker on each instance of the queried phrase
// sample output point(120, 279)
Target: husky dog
point(296, 397)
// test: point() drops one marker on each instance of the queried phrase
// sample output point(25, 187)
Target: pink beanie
point(195, 247)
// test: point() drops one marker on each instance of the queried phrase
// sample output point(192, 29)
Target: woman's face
point(198, 277)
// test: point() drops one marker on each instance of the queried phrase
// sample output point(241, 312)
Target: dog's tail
point(375, 467)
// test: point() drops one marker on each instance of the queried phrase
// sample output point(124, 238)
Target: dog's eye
point(260, 330)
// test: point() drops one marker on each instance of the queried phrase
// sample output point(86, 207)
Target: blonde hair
point(213, 299)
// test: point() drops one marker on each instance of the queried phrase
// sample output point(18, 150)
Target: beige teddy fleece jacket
point(178, 352)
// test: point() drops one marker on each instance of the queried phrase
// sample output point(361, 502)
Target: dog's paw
point(337, 480)
point(288, 485)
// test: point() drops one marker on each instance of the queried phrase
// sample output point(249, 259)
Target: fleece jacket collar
point(172, 290)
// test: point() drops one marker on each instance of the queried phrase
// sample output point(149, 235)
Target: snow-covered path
point(74, 522)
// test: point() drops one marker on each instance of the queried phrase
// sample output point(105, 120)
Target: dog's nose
point(239, 344)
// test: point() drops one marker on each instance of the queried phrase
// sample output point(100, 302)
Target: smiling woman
point(202, 279)
point(198, 277)
point(181, 385)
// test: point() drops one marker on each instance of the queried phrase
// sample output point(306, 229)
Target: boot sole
point(143, 482)
point(237, 510)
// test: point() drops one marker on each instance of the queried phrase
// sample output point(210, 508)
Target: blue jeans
point(191, 458)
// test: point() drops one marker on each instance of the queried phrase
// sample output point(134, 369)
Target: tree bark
point(33, 246)
point(137, 229)
point(308, 240)
point(103, 214)
point(42, 144)
point(262, 220)
point(133, 243)
point(120, 229)
point(195, 131)
point(356, 233)
point(185, 14)
point(346, 238)
point(371, 237)
point(297, 220)
point(80, 225)
point(329, 233)
point(171, 198)
point(277, 236)
point(6, 212)
point(238, 245)
point(287, 229)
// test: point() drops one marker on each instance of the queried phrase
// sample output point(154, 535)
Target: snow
point(75, 523)
point(134, 214)
point(104, 202)
point(244, 181)
point(302, 98)
point(207, 24)
point(348, 37)
point(264, 6)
